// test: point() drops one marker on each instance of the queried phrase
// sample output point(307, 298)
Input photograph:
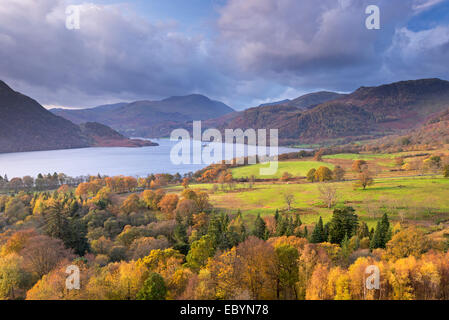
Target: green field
point(365, 156)
point(295, 168)
point(354, 156)
point(423, 200)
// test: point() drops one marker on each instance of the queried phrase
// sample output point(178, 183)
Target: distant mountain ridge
point(25, 125)
point(140, 117)
point(320, 117)
point(366, 113)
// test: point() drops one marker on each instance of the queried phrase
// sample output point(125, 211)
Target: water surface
point(106, 161)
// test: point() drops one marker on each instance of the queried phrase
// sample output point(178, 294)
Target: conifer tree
point(180, 236)
point(318, 232)
point(260, 228)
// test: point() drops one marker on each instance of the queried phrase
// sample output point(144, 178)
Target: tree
point(260, 228)
point(255, 268)
point(180, 236)
point(41, 254)
point(152, 198)
point(185, 183)
point(377, 238)
point(12, 276)
point(286, 176)
point(237, 230)
point(318, 233)
point(28, 182)
point(56, 221)
point(408, 242)
point(382, 234)
point(338, 173)
point(16, 184)
point(446, 171)
point(344, 222)
point(186, 208)
point(363, 231)
point(318, 156)
point(168, 203)
point(311, 175)
point(199, 252)
point(287, 270)
point(357, 165)
point(323, 174)
point(153, 288)
point(289, 198)
point(345, 247)
point(364, 178)
point(328, 193)
point(218, 230)
point(131, 204)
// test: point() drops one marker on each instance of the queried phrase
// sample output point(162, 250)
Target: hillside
point(433, 134)
point(99, 135)
point(308, 101)
point(140, 118)
point(366, 113)
point(27, 126)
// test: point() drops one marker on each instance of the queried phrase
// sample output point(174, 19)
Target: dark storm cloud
point(323, 43)
point(258, 50)
point(113, 54)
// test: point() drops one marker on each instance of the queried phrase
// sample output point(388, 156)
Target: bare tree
point(289, 198)
point(365, 178)
point(328, 193)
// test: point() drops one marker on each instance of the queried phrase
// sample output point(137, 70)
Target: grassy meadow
point(295, 168)
point(407, 196)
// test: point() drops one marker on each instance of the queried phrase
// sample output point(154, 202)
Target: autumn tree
point(13, 277)
point(311, 175)
point(41, 254)
point(185, 183)
point(365, 178)
point(446, 171)
point(131, 204)
point(152, 198)
point(338, 173)
point(168, 203)
point(408, 242)
point(186, 208)
point(318, 156)
point(286, 176)
point(287, 272)
point(358, 165)
point(323, 174)
point(256, 268)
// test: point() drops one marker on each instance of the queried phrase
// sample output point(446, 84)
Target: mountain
point(140, 118)
point(27, 126)
point(275, 103)
point(308, 101)
point(99, 135)
point(366, 113)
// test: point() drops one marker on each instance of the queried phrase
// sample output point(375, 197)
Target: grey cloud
point(314, 44)
point(259, 49)
point(113, 54)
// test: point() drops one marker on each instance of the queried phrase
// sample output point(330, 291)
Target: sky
point(241, 52)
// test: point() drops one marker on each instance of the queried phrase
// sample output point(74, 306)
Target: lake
point(106, 161)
